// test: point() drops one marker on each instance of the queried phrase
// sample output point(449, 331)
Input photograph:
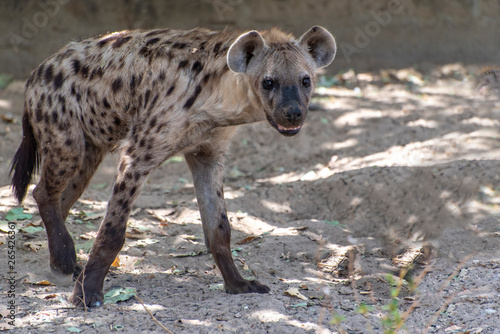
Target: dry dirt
point(393, 169)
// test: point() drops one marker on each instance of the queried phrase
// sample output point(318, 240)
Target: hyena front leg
point(206, 165)
point(131, 174)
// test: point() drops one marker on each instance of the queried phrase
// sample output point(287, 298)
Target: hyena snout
point(293, 113)
point(289, 118)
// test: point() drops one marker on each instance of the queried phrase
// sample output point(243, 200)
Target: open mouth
point(286, 131)
point(289, 131)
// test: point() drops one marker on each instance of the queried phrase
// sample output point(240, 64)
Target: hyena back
point(151, 95)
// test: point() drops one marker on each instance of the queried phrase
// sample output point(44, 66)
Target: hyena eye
point(268, 84)
point(306, 82)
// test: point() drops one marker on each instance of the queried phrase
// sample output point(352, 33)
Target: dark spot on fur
point(68, 142)
point(84, 71)
point(54, 116)
point(170, 90)
point(152, 41)
point(189, 103)
point(38, 113)
point(117, 85)
point(76, 66)
point(49, 73)
point(146, 97)
point(110, 232)
point(152, 123)
point(40, 71)
point(98, 72)
point(143, 51)
point(30, 79)
point(132, 82)
point(197, 67)
point(137, 176)
point(103, 42)
point(148, 157)
point(153, 102)
point(58, 81)
point(106, 103)
point(162, 76)
point(206, 77)
point(120, 41)
point(183, 64)
point(224, 49)
point(117, 121)
point(133, 190)
point(179, 45)
point(217, 47)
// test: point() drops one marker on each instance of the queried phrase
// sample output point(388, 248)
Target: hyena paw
point(63, 257)
point(245, 286)
point(89, 299)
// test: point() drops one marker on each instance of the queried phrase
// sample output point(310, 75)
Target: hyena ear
point(320, 44)
point(241, 52)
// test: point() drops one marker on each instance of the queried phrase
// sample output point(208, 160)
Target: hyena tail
point(25, 162)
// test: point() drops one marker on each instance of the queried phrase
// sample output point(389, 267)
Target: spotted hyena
point(151, 95)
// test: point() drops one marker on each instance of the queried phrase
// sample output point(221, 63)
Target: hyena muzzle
point(151, 95)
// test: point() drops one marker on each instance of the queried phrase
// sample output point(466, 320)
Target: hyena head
point(281, 71)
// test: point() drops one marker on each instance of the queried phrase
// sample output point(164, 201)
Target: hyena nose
point(293, 114)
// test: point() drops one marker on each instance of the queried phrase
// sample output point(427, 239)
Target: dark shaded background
point(418, 32)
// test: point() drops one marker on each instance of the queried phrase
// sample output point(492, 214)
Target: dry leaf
point(116, 262)
point(44, 282)
point(246, 240)
point(89, 235)
point(294, 292)
point(92, 216)
point(161, 214)
point(35, 246)
point(50, 296)
point(315, 237)
point(188, 254)
point(135, 234)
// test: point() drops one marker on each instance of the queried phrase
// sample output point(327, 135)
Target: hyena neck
point(233, 101)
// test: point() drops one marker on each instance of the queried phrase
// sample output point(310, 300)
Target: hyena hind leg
point(77, 185)
point(60, 165)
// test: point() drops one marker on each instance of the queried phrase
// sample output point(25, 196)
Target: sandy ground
point(394, 170)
